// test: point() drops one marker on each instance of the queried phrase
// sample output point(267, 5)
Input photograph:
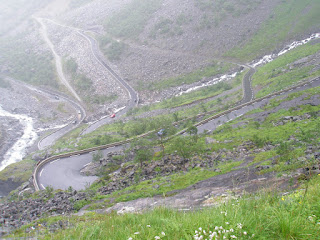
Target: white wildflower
point(163, 233)
point(195, 231)
point(148, 226)
point(227, 223)
point(130, 238)
point(136, 233)
point(245, 233)
point(225, 213)
point(216, 228)
point(231, 230)
point(233, 236)
point(311, 218)
point(200, 228)
point(157, 237)
point(239, 225)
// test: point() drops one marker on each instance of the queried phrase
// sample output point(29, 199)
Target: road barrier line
point(52, 158)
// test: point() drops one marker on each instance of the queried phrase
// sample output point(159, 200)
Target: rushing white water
point(271, 57)
point(119, 109)
point(263, 60)
point(212, 82)
point(18, 150)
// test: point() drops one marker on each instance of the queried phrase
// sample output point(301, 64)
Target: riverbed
point(27, 139)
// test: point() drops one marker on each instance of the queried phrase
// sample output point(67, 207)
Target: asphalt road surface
point(51, 138)
point(63, 173)
point(213, 124)
point(133, 96)
point(60, 174)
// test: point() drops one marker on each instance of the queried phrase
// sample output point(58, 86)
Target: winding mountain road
point(133, 95)
point(54, 136)
point(65, 172)
point(69, 168)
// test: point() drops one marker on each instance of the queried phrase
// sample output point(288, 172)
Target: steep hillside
point(244, 150)
point(149, 42)
point(23, 53)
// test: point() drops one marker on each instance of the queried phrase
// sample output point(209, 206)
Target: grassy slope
point(278, 75)
point(260, 134)
point(164, 185)
point(119, 131)
point(16, 50)
point(30, 67)
point(290, 19)
point(265, 132)
point(209, 71)
point(267, 216)
point(18, 172)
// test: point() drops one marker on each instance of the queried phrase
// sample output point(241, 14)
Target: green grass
point(189, 98)
point(263, 156)
point(18, 172)
point(164, 185)
point(278, 134)
point(84, 85)
point(290, 19)
point(209, 71)
point(119, 131)
point(266, 215)
point(28, 66)
point(279, 74)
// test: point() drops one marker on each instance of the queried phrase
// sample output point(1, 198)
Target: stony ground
point(47, 112)
point(150, 59)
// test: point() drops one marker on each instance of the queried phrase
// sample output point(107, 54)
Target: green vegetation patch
point(284, 71)
point(262, 216)
point(164, 185)
point(192, 97)
point(84, 84)
point(296, 15)
point(26, 65)
point(209, 71)
point(18, 172)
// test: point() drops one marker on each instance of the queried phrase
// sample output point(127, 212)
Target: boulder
point(210, 140)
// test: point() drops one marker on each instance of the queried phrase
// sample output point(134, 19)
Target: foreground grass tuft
point(262, 216)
